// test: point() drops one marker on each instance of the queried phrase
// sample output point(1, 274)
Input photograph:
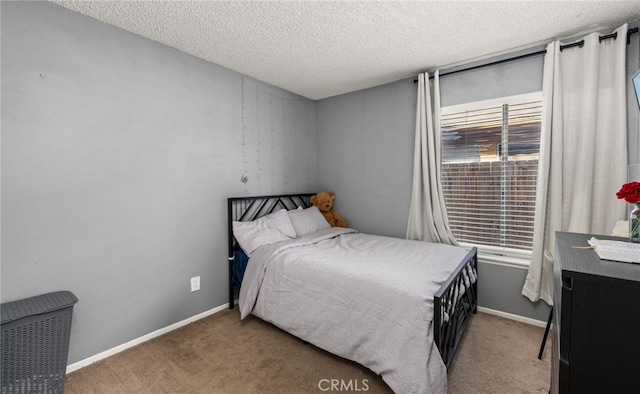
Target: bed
point(398, 307)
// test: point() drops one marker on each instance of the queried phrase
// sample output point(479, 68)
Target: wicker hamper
point(35, 343)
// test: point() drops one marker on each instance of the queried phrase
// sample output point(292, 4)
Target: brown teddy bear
point(324, 202)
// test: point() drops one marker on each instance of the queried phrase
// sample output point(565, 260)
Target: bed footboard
point(454, 302)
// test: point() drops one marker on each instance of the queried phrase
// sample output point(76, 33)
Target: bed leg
point(231, 292)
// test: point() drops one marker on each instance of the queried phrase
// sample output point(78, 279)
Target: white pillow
point(266, 230)
point(307, 221)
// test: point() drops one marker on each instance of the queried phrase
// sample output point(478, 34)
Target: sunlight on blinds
point(489, 170)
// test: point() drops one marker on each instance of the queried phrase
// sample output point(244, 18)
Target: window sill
point(516, 259)
point(504, 261)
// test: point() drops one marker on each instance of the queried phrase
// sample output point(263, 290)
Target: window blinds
point(489, 170)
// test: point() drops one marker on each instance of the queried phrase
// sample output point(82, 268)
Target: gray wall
point(365, 155)
point(118, 154)
point(511, 78)
point(365, 150)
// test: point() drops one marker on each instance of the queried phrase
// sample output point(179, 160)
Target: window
point(489, 169)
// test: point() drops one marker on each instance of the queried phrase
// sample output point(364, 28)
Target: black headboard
point(244, 209)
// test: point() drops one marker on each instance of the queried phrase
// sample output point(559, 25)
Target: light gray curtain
point(427, 212)
point(583, 149)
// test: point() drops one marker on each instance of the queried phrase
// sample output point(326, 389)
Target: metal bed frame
point(454, 302)
point(245, 209)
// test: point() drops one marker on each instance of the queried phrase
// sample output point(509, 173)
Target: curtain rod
point(511, 59)
point(602, 38)
point(578, 44)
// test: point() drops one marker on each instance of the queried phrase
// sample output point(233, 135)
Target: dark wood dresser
point(596, 320)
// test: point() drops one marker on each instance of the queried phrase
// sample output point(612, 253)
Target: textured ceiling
point(319, 49)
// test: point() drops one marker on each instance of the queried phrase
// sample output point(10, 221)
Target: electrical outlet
point(195, 283)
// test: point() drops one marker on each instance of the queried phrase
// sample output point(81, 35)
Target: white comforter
point(363, 297)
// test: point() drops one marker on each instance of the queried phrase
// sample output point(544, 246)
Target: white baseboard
point(110, 352)
point(511, 316)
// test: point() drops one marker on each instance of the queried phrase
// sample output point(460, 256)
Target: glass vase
point(634, 224)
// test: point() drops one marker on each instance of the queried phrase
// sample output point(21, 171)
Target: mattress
point(363, 297)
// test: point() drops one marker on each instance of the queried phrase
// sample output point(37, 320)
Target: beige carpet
point(221, 354)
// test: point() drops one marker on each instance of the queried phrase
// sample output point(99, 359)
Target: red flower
point(630, 192)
